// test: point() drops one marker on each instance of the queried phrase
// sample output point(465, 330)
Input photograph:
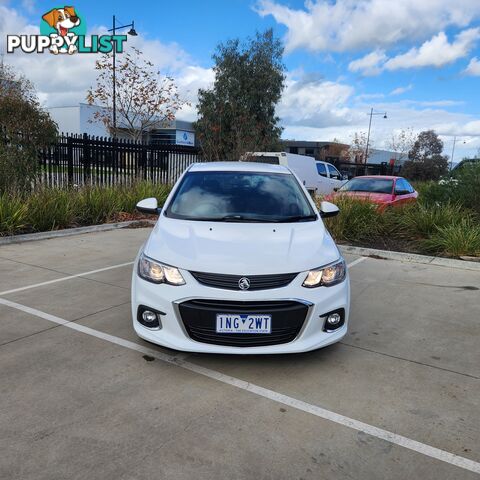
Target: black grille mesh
point(257, 282)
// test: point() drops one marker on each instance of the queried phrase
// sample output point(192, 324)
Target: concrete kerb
point(67, 232)
point(410, 257)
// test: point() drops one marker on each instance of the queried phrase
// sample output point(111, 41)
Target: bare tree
point(338, 149)
point(402, 142)
point(145, 99)
point(358, 146)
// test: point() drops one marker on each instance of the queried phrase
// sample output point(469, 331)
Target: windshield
point(372, 185)
point(240, 197)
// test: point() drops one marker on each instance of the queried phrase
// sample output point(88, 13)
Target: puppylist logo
point(63, 30)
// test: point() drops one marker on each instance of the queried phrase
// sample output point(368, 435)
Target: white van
point(319, 178)
point(332, 178)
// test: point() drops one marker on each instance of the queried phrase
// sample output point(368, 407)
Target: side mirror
point(328, 209)
point(344, 177)
point(335, 189)
point(148, 205)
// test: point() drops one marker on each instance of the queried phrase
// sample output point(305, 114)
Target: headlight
point(156, 272)
point(326, 276)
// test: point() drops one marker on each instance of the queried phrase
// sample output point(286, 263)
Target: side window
point(409, 186)
point(402, 186)
point(321, 169)
point(334, 173)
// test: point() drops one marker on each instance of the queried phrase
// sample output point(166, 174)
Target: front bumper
point(176, 333)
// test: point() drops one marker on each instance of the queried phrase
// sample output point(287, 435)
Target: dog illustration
point(62, 20)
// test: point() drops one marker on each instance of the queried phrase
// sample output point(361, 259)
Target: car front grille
point(199, 319)
point(257, 282)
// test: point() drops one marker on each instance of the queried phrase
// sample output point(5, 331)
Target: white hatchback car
point(240, 262)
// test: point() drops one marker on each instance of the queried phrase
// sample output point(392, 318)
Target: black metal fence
point(86, 160)
point(355, 169)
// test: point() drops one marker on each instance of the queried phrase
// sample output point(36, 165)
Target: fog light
point(333, 319)
point(149, 317)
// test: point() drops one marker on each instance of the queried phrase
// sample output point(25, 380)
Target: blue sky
point(416, 60)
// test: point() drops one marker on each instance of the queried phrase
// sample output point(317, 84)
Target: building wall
point(67, 118)
point(327, 151)
point(80, 119)
point(88, 123)
point(380, 156)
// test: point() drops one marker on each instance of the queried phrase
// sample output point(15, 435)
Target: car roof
point(238, 167)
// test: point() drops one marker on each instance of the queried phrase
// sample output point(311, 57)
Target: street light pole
point(114, 122)
point(133, 33)
point(368, 136)
point(453, 152)
point(372, 113)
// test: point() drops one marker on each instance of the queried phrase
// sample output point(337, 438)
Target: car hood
point(241, 248)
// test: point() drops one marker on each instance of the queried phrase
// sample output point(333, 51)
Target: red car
point(384, 191)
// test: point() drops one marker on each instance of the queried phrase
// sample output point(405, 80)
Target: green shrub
point(97, 204)
point(462, 188)
point(13, 213)
point(358, 220)
point(420, 220)
point(462, 238)
point(129, 196)
point(51, 209)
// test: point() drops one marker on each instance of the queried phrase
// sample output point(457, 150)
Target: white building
point(384, 156)
point(80, 119)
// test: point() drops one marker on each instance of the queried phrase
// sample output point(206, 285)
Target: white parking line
point(62, 279)
point(343, 420)
point(357, 261)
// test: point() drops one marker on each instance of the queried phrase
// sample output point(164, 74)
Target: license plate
point(243, 323)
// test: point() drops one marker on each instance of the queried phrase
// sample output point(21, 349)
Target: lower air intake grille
point(199, 319)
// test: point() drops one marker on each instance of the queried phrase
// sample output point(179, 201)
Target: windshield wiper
point(232, 218)
point(241, 218)
point(297, 218)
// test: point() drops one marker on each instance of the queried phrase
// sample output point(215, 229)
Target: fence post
point(144, 161)
point(86, 158)
point(70, 161)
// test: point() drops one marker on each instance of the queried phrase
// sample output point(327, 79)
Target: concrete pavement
point(73, 405)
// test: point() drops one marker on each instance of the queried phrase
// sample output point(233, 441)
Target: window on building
point(310, 152)
point(293, 149)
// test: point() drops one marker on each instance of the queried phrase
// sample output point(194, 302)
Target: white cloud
point(315, 102)
point(344, 25)
point(62, 80)
point(401, 90)
point(437, 51)
point(401, 115)
point(473, 67)
point(370, 64)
